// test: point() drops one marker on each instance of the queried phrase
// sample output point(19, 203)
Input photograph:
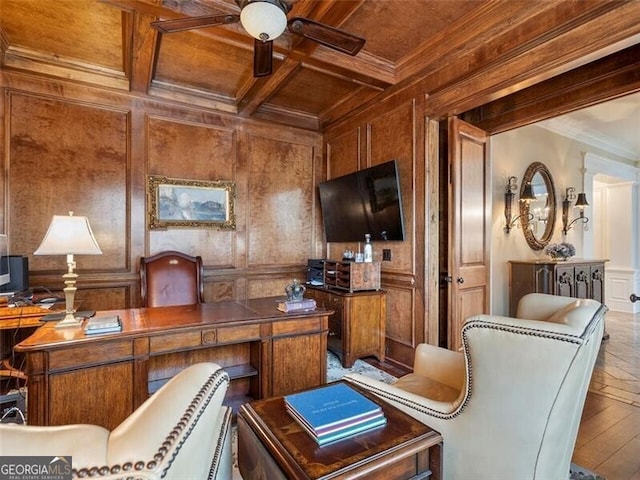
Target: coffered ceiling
point(111, 43)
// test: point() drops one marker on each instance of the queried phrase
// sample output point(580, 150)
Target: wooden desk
point(13, 318)
point(21, 317)
point(101, 379)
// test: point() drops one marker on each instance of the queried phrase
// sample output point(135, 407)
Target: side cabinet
point(573, 278)
point(357, 327)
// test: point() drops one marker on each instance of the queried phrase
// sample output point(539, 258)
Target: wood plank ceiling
point(453, 48)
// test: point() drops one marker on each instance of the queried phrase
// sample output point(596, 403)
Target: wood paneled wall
point(398, 129)
point(68, 147)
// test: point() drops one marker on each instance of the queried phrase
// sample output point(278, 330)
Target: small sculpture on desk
point(295, 291)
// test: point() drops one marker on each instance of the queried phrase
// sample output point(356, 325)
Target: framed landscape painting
point(180, 203)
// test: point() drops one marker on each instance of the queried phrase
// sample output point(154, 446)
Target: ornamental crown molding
point(577, 130)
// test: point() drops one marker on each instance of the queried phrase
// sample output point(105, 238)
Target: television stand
point(357, 326)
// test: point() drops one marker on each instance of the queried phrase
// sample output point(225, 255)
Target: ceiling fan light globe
point(263, 20)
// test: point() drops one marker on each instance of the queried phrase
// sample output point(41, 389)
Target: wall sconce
point(581, 203)
point(69, 236)
point(527, 196)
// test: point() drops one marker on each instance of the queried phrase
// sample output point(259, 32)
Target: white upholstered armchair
point(509, 405)
point(180, 432)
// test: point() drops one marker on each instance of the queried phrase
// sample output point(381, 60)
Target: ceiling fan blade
point(326, 35)
point(179, 24)
point(262, 58)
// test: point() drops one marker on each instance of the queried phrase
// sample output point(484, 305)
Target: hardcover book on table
point(104, 324)
point(334, 412)
point(344, 430)
point(296, 305)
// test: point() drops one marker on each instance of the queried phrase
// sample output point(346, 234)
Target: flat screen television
point(5, 276)
point(367, 201)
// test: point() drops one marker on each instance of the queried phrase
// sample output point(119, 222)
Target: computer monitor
point(5, 274)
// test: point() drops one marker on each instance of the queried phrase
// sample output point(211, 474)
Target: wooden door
point(469, 214)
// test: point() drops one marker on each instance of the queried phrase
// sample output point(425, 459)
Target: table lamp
point(69, 235)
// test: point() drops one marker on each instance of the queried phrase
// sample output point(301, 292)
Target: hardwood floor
point(609, 436)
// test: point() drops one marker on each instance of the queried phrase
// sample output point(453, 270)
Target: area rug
point(579, 473)
point(335, 370)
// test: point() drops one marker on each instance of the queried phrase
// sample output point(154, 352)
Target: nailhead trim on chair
point(482, 324)
point(213, 472)
point(218, 378)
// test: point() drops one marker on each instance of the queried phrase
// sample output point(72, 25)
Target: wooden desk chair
point(171, 278)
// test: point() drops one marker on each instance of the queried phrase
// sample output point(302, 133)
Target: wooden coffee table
point(271, 445)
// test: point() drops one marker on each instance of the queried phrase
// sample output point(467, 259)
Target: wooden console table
point(578, 278)
point(102, 379)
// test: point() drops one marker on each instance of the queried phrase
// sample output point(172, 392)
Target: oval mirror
point(538, 217)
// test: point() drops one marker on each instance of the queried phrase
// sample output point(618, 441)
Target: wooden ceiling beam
point(605, 79)
point(271, 84)
point(468, 34)
point(364, 68)
point(141, 54)
point(191, 8)
point(574, 42)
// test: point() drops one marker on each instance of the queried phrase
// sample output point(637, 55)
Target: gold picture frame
point(181, 203)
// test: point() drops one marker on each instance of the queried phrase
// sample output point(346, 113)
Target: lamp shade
point(527, 193)
point(69, 235)
point(581, 201)
point(263, 20)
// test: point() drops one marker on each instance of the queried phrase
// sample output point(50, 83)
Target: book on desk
point(297, 305)
point(103, 324)
point(334, 412)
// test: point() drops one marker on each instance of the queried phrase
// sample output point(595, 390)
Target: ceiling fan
point(266, 20)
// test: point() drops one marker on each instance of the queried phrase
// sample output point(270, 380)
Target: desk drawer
point(90, 355)
point(296, 327)
point(235, 334)
point(175, 341)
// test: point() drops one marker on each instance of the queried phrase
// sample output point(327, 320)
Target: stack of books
point(104, 324)
point(297, 305)
point(334, 412)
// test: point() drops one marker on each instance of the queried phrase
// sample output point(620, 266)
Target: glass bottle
point(368, 248)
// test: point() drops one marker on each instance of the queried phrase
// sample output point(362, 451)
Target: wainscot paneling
point(218, 291)
point(100, 298)
point(194, 151)
point(392, 136)
point(67, 156)
point(395, 129)
point(282, 206)
point(400, 329)
point(344, 155)
point(347, 148)
point(268, 287)
point(90, 150)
